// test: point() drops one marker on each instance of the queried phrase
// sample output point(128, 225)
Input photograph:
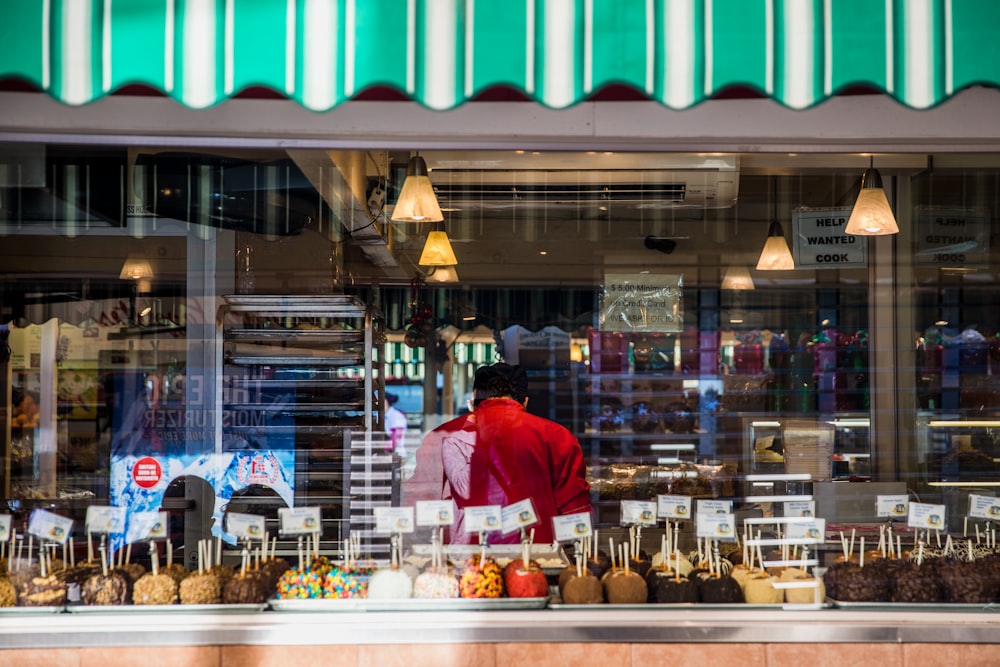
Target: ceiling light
point(137, 268)
point(443, 274)
point(437, 250)
point(417, 201)
point(775, 256)
point(871, 215)
point(737, 278)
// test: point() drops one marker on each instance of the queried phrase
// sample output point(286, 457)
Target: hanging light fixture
point(776, 255)
point(871, 215)
point(437, 249)
point(443, 274)
point(417, 201)
point(137, 268)
point(737, 278)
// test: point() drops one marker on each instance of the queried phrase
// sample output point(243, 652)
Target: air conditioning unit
point(716, 186)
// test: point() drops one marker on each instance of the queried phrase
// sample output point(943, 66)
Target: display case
point(302, 374)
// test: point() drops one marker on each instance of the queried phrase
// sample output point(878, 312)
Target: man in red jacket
point(500, 454)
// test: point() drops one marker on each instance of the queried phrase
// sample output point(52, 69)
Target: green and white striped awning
point(441, 53)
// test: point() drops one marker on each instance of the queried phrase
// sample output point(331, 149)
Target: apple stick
point(170, 552)
point(154, 557)
point(611, 548)
point(861, 562)
point(104, 561)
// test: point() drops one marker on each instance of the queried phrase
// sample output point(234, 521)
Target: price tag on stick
point(435, 512)
point(394, 520)
point(570, 527)
point(245, 526)
point(50, 527)
point(299, 520)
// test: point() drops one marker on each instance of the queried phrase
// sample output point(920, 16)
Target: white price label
point(715, 507)
point(638, 513)
point(720, 526)
point(4, 527)
point(435, 512)
point(518, 515)
point(984, 507)
point(394, 520)
point(673, 507)
point(892, 506)
point(925, 515)
point(245, 526)
point(569, 527)
point(482, 518)
point(141, 525)
point(105, 519)
point(800, 508)
point(299, 520)
point(50, 527)
point(813, 530)
point(160, 529)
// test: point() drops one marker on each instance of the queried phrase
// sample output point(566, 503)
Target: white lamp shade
point(443, 274)
point(737, 278)
point(417, 201)
point(437, 251)
point(775, 256)
point(871, 215)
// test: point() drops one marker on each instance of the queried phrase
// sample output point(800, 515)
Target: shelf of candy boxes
point(613, 481)
point(431, 576)
point(50, 579)
point(916, 569)
point(714, 574)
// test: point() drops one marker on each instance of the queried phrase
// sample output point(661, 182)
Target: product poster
point(139, 483)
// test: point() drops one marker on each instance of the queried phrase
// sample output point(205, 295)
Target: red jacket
point(500, 455)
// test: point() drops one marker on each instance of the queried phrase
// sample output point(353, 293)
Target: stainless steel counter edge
point(548, 626)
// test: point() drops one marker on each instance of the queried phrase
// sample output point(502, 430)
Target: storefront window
point(227, 332)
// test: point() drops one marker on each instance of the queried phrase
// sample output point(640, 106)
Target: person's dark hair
point(500, 380)
point(391, 399)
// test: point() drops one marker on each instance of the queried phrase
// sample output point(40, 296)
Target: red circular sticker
point(147, 472)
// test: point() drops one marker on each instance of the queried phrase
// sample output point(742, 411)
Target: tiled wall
point(517, 655)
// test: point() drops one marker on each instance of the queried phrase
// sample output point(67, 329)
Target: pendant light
point(417, 201)
point(871, 215)
point(737, 278)
point(437, 249)
point(775, 256)
point(443, 274)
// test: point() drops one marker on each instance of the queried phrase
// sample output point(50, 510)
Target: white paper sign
point(984, 507)
point(716, 526)
point(140, 525)
point(715, 507)
point(946, 236)
point(800, 508)
point(4, 527)
point(104, 519)
point(641, 302)
point(925, 515)
point(159, 529)
point(394, 520)
point(482, 518)
point(435, 512)
point(638, 513)
point(820, 241)
point(245, 526)
point(813, 530)
point(299, 520)
point(892, 506)
point(49, 527)
point(673, 507)
point(569, 527)
point(517, 516)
